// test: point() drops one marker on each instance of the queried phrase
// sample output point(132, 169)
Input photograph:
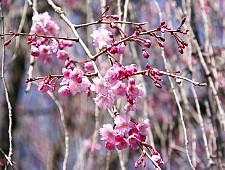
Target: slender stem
point(142, 72)
point(5, 86)
point(66, 139)
point(175, 94)
point(76, 26)
point(37, 35)
point(32, 59)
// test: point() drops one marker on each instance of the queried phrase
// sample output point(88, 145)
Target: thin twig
point(175, 94)
point(6, 157)
point(37, 35)
point(4, 85)
point(125, 11)
point(169, 74)
point(149, 156)
point(76, 26)
point(66, 139)
point(32, 60)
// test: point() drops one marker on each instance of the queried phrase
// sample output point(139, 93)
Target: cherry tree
point(121, 88)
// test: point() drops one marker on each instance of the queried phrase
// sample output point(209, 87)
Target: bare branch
point(175, 94)
point(66, 133)
point(4, 84)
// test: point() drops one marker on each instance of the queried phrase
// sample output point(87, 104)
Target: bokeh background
point(38, 138)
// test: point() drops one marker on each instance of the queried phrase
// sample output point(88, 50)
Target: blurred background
point(38, 137)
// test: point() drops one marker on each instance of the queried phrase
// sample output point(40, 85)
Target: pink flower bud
point(113, 50)
point(116, 17)
point(88, 66)
point(147, 66)
point(145, 53)
point(148, 44)
point(35, 52)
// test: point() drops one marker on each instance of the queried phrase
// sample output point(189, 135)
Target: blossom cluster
point(103, 38)
point(42, 47)
point(125, 133)
point(117, 83)
point(74, 82)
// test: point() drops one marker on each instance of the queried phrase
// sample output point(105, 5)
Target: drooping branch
point(9, 157)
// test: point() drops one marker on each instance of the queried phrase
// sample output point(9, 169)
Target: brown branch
point(76, 26)
point(37, 35)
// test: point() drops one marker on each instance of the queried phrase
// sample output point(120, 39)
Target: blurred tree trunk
point(217, 125)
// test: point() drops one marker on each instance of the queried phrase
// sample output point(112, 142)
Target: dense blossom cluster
point(117, 83)
point(45, 48)
point(125, 133)
point(74, 82)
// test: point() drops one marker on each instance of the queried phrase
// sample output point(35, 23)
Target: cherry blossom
point(74, 82)
point(101, 38)
point(46, 84)
point(125, 133)
point(45, 48)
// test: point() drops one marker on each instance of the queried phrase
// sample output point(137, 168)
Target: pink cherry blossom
point(109, 146)
point(119, 89)
point(112, 74)
point(125, 133)
point(107, 133)
point(130, 106)
point(76, 87)
point(140, 161)
point(64, 90)
point(133, 141)
point(122, 123)
point(46, 48)
point(142, 127)
point(120, 142)
point(46, 85)
point(62, 55)
point(101, 38)
point(42, 24)
point(76, 75)
point(74, 82)
point(145, 53)
point(100, 86)
point(133, 90)
point(44, 53)
point(105, 101)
